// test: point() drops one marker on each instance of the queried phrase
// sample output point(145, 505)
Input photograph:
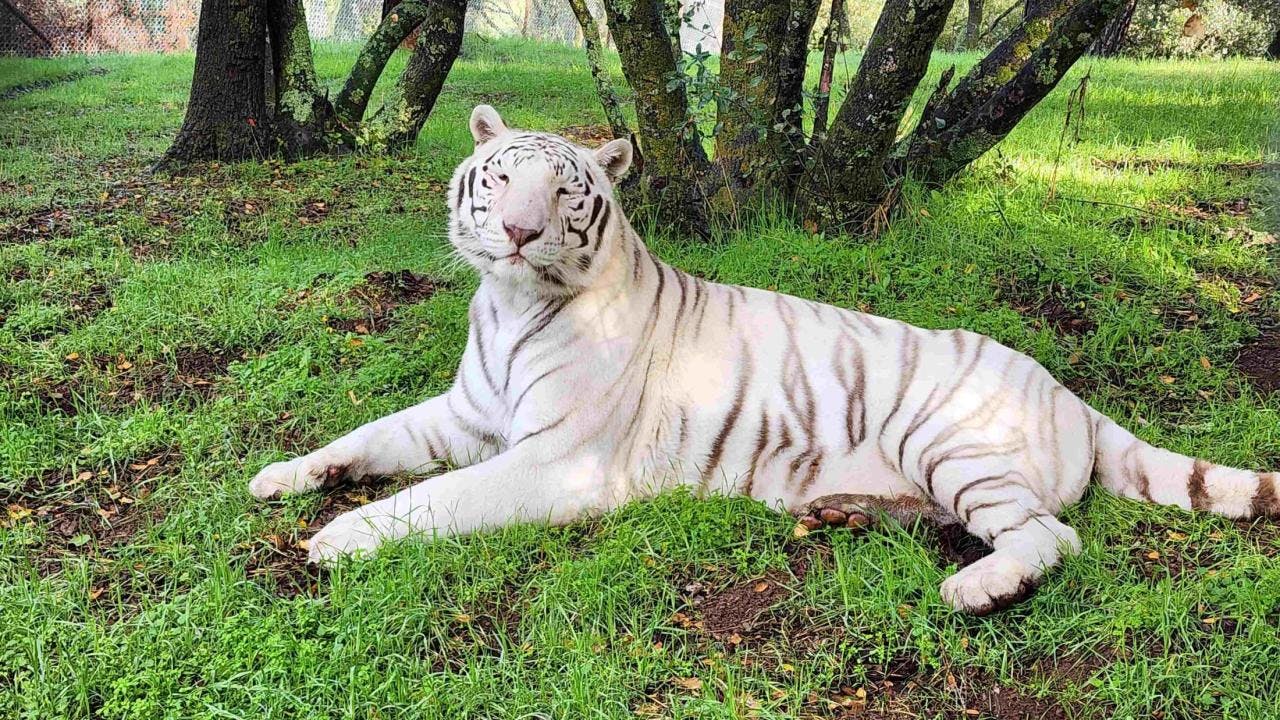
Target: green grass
point(123, 294)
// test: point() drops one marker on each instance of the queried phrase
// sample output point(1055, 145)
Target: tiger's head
point(534, 210)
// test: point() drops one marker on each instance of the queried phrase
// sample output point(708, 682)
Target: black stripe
point(548, 314)
point(731, 419)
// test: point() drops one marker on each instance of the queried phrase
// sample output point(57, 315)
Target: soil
point(956, 693)
point(591, 136)
point(381, 293)
point(194, 373)
point(1054, 309)
point(1259, 360)
point(92, 511)
point(282, 558)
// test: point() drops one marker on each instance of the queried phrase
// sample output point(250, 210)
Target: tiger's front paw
point(993, 583)
point(350, 534)
point(308, 472)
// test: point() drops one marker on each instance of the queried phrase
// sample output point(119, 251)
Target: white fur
point(595, 374)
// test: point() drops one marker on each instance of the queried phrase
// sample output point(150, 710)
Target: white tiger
point(595, 374)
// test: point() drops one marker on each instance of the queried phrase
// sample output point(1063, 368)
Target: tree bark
point(398, 123)
point(1002, 89)
point(973, 25)
point(353, 99)
point(830, 46)
point(849, 179)
point(227, 116)
point(304, 118)
point(1110, 41)
point(673, 161)
point(762, 67)
point(595, 59)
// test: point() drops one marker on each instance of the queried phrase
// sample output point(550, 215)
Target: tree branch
point(595, 58)
point(394, 28)
point(996, 95)
point(410, 102)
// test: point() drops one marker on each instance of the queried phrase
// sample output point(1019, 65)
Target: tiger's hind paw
point(859, 512)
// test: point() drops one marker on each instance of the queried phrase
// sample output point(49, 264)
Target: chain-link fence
point(52, 27)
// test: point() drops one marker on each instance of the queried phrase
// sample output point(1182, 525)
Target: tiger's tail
point(1134, 469)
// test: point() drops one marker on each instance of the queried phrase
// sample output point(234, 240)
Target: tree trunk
point(762, 67)
point(848, 180)
point(398, 123)
point(1110, 41)
point(955, 130)
point(830, 46)
point(304, 118)
point(256, 93)
point(353, 99)
point(227, 116)
point(973, 25)
point(672, 159)
point(595, 59)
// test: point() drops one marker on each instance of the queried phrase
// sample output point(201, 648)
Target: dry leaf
point(1168, 379)
point(1204, 362)
point(689, 683)
point(761, 586)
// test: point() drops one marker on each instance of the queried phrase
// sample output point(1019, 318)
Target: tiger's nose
point(521, 236)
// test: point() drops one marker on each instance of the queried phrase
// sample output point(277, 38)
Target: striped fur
point(594, 374)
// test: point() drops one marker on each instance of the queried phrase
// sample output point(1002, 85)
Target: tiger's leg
point(412, 440)
point(519, 485)
point(1002, 508)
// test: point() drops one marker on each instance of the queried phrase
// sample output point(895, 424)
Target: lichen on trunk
point(958, 127)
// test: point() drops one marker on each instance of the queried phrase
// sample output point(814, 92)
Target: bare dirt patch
point(117, 382)
point(313, 212)
point(280, 559)
point(1052, 307)
point(379, 294)
point(1259, 360)
point(41, 225)
point(588, 135)
point(91, 512)
point(900, 692)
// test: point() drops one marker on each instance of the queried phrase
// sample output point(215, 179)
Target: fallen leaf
point(761, 587)
point(1153, 555)
point(1176, 536)
point(1204, 362)
point(1168, 379)
point(689, 683)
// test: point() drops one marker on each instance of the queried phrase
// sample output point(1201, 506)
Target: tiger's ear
point(486, 124)
point(615, 158)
